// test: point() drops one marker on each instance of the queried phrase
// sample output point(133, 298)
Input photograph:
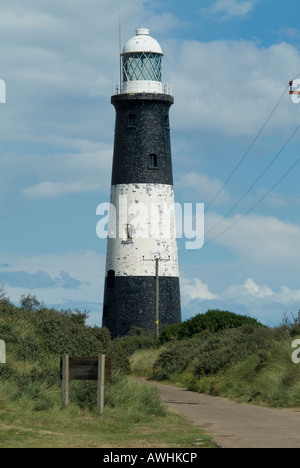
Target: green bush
point(211, 352)
point(213, 321)
point(36, 337)
point(35, 334)
point(176, 358)
point(137, 338)
point(229, 346)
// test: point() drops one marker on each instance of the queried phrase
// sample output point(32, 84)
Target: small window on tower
point(128, 232)
point(152, 161)
point(128, 236)
point(111, 279)
point(131, 121)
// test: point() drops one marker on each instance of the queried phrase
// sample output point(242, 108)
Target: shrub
point(227, 347)
point(292, 324)
point(212, 352)
point(36, 337)
point(176, 358)
point(30, 302)
point(142, 362)
point(138, 338)
point(213, 321)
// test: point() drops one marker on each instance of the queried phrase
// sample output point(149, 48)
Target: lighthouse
point(142, 276)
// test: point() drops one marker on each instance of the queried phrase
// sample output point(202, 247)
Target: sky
point(234, 135)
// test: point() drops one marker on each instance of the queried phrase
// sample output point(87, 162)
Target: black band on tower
point(130, 301)
point(142, 149)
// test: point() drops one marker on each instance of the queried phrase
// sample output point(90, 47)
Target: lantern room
point(142, 64)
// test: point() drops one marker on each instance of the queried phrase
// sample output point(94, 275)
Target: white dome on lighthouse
point(142, 64)
point(142, 42)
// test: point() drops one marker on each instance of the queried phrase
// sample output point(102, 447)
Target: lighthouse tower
point(142, 278)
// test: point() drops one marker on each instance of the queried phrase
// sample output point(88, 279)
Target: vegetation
point(244, 361)
point(219, 353)
point(31, 412)
point(213, 321)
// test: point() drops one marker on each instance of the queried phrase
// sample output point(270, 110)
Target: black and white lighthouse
point(142, 277)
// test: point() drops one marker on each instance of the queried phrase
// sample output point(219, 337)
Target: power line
point(240, 162)
point(248, 150)
point(257, 203)
point(251, 145)
point(99, 276)
point(245, 154)
point(257, 180)
point(250, 209)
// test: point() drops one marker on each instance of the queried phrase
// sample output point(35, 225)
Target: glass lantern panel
point(142, 66)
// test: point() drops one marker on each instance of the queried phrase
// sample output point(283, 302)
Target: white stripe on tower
point(144, 227)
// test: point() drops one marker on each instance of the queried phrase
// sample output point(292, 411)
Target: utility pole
point(156, 260)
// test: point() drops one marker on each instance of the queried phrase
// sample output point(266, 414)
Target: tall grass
point(133, 417)
point(248, 364)
point(142, 362)
point(31, 413)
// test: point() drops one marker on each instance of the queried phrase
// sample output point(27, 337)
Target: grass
point(142, 361)
point(31, 414)
point(133, 418)
point(247, 363)
point(244, 364)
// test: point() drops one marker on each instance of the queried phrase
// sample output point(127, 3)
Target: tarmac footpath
point(233, 425)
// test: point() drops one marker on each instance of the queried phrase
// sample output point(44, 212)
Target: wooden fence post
point(65, 380)
point(2, 352)
point(101, 383)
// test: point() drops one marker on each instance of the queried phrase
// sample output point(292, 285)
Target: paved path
point(233, 425)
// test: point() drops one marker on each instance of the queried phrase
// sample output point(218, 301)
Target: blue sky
point(229, 62)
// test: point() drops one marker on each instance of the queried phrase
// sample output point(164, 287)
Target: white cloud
point(257, 239)
point(194, 289)
point(59, 174)
point(86, 262)
point(60, 76)
point(261, 301)
point(60, 62)
point(228, 9)
point(74, 279)
point(164, 23)
point(291, 33)
point(205, 187)
point(250, 292)
point(230, 87)
point(50, 189)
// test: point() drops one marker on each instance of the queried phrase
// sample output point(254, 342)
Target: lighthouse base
point(130, 302)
